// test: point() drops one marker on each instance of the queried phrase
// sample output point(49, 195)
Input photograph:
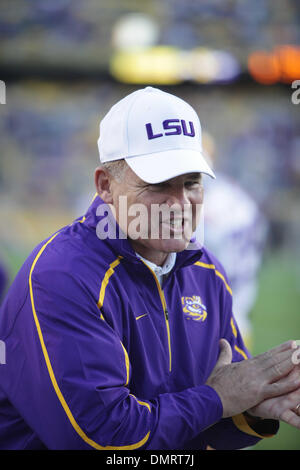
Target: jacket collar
point(101, 220)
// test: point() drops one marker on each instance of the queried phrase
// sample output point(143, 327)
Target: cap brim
point(162, 166)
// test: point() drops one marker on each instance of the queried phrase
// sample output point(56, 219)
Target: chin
point(172, 246)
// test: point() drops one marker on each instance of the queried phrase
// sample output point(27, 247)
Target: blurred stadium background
point(65, 63)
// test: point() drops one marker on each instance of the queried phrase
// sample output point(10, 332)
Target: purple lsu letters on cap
point(158, 134)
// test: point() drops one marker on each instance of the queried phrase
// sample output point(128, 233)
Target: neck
point(157, 257)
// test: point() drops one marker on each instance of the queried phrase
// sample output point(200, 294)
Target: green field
point(276, 318)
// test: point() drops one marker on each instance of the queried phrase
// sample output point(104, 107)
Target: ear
point(103, 184)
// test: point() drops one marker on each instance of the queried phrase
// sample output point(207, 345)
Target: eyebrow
point(196, 176)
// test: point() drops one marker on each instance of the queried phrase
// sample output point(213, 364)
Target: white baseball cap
point(158, 134)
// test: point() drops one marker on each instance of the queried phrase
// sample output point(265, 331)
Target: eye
point(158, 186)
point(195, 184)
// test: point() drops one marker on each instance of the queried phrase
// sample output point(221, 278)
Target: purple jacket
point(99, 356)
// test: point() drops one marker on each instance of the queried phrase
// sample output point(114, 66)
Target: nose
point(178, 196)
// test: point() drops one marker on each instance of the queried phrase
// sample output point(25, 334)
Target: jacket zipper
point(166, 315)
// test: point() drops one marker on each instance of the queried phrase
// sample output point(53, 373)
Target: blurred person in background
point(235, 231)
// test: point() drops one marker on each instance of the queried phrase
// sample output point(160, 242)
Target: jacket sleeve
point(76, 393)
point(239, 431)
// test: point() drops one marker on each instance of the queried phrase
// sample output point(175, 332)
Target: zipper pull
point(166, 314)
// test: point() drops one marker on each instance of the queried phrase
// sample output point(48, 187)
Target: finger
point(286, 385)
point(225, 356)
point(294, 374)
point(270, 361)
point(292, 400)
point(288, 416)
point(287, 347)
point(296, 357)
point(280, 370)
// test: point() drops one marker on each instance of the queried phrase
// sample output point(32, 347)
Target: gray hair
point(116, 169)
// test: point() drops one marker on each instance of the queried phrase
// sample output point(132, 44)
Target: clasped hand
point(266, 386)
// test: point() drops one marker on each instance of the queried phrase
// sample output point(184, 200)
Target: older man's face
point(161, 217)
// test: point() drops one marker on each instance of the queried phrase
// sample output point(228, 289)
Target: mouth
point(176, 223)
point(174, 226)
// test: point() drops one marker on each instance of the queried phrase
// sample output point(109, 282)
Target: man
point(116, 340)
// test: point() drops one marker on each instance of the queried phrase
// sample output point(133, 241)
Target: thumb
point(225, 356)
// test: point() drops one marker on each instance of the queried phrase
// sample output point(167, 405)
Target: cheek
point(197, 198)
point(122, 203)
point(133, 213)
point(197, 211)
